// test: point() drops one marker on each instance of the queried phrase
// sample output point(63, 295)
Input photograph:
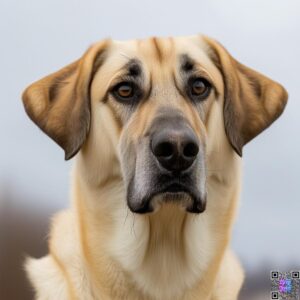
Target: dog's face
point(154, 105)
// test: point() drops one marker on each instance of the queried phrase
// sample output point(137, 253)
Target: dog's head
point(159, 107)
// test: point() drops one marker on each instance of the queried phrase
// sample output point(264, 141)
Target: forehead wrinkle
point(164, 49)
point(157, 56)
point(158, 51)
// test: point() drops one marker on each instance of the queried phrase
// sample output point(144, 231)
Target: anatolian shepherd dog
point(157, 127)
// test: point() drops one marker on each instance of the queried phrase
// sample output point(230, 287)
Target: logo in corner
point(285, 285)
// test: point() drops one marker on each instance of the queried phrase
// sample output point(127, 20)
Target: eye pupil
point(125, 90)
point(199, 87)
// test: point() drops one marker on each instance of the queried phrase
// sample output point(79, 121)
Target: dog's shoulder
point(52, 276)
point(47, 279)
point(230, 277)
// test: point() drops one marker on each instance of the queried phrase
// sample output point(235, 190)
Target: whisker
point(133, 227)
point(127, 212)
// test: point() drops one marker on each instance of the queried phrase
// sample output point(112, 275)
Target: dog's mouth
point(181, 192)
point(175, 188)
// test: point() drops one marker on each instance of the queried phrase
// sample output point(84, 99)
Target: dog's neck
point(162, 254)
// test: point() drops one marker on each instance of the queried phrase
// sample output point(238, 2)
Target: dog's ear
point(252, 101)
point(60, 103)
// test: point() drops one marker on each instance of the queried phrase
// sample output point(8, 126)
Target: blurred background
point(39, 37)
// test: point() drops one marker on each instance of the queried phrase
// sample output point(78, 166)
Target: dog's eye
point(200, 88)
point(124, 90)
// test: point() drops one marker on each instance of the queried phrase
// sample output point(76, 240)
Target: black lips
point(171, 186)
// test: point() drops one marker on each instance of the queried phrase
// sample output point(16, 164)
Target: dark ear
point(252, 101)
point(60, 103)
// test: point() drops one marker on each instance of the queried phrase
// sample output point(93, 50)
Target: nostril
point(190, 150)
point(164, 149)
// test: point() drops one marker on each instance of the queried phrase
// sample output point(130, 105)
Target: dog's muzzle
point(174, 169)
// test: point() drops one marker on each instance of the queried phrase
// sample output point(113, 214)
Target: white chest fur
point(165, 253)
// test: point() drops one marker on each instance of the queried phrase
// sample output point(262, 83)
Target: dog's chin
point(185, 199)
point(180, 199)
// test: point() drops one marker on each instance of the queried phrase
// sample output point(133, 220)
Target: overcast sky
point(39, 37)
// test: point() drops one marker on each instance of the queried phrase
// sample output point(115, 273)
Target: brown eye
point(127, 92)
point(124, 90)
point(200, 87)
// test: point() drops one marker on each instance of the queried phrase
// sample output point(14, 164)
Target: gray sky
point(39, 37)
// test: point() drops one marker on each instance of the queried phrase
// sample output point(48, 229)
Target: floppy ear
point(252, 101)
point(60, 103)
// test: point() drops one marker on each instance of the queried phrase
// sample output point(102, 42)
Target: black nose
point(175, 149)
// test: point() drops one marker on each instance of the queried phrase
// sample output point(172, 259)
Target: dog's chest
point(164, 257)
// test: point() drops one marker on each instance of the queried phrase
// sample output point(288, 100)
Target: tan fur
point(98, 249)
point(246, 91)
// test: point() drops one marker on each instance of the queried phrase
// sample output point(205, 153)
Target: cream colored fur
point(99, 249)
point(170, 255)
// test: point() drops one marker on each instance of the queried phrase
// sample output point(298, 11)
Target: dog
point(158, 127)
